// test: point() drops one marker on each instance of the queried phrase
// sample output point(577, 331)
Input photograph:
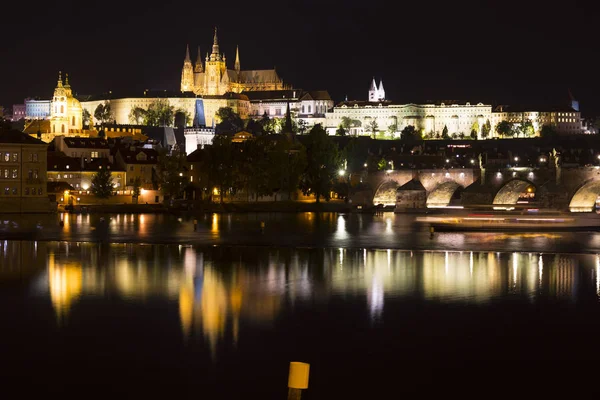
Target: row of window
point(142, 168)
point(8, 191)
point(32, 191)
point(14, 157)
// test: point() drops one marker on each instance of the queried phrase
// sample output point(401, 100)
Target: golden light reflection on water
point(65, 284)
point(215, 293)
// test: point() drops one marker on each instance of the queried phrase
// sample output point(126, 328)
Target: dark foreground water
point(224, 322)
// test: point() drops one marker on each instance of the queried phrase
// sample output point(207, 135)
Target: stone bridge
point(555, 187)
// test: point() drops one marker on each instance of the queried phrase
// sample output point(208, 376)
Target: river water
point(462, 315)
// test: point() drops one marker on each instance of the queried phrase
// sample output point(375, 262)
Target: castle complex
point(214, 78)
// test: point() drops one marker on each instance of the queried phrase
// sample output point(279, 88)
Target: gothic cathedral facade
point(213, 78)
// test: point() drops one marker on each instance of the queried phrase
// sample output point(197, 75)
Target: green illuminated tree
point(102, 183)
point(137, 115)
point(104, 113)
point(504, 129)
point(159, 113)
point(373, 127)
point(486, 129)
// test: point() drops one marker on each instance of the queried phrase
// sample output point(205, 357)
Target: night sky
point(499, 52)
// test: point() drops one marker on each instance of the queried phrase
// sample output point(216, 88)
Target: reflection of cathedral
point(215, 79)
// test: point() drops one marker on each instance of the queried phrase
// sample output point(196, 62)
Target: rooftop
point(14, 136)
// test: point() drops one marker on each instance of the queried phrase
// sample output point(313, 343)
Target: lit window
point(7, 157)
point(15, 157)
point(15, 173)
point(35, 157)
point(40, 191)
point(94, 154)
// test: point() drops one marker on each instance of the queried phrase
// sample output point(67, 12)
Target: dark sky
point(496, 52)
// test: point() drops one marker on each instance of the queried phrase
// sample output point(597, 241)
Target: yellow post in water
point(297, 379)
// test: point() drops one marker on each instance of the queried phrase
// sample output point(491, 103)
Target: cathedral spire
point(59, 79)
point(187, 53)
point(67, 80)
point(237, 59)
point(198, 66)
point(215, 48)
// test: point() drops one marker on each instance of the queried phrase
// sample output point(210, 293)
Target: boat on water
point(508, 222)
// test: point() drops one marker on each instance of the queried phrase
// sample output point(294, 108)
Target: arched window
point(73, 123)
point(62, 128)
point(62, 109)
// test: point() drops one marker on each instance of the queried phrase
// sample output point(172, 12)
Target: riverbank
point(195, 208)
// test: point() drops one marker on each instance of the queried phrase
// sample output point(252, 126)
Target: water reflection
point(218, 293)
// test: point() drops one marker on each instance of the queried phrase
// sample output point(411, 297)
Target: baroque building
point(214, 78)
point(65, 110)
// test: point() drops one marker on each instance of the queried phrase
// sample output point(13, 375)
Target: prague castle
point(213, 78)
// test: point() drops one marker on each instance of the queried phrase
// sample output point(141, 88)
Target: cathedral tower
point(380, 91)
point(187, 73)
point(214, 69)
point(373, 91)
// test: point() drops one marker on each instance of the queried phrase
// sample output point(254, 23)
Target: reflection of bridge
point(552, 187)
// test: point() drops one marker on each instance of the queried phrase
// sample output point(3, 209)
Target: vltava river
point(224, 322)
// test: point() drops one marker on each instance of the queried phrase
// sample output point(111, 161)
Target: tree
point(302, 126)
point(409, 133)
point(372, 127)
point(229, 121)
point(473, 134)
point(86, 118)
point(182, 118)
point(159, 113)
point(169, 168)
point(445, 133)
point(526, 128)
point(393, 128)
point(548, 131)
point(475, 127)
point(220, 164)
point(268, 125)
point(323, 163)
point(136, 188)
point(504, 128)
point(486, 129)
point(346, 123)
point(254, 127)
point(137, 115)
point(102, 183)
point(340, 131)
point(104, 113)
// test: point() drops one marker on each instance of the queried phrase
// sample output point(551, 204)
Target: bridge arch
point(584, 199)
point(510, 192)
point(442, 194)
point(386, 193)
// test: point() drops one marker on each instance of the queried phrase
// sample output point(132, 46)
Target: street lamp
point(516, 159)
point(341, 172)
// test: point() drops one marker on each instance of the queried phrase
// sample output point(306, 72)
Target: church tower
point(380, 91)
point(373, 91)
point(237, 59)
point(198, 67)
point(187, 73)
point(59, 120)
point(214, 70)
